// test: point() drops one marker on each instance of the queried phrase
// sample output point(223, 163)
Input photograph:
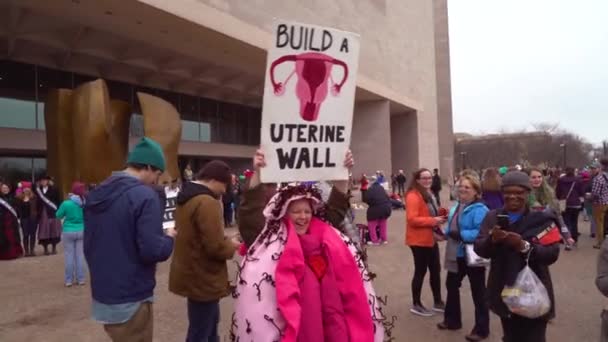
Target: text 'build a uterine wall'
point(309, 95)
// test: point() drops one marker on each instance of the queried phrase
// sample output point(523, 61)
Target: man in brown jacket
point(198, 268)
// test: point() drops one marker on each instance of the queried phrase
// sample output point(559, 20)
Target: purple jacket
point(493, 199)
point(563, 188)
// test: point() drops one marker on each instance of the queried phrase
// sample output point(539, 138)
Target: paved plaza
point(36, 307)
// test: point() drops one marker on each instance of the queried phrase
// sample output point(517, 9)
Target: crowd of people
point(303, 274)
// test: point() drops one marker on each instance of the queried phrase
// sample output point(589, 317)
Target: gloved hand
point(498, 235)
point(514, 241)
point(454, 234)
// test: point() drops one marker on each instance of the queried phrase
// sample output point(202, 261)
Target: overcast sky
point(518, 62)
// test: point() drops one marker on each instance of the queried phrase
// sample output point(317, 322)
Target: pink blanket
point(269, 298)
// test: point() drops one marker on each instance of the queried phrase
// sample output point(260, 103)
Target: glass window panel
point(15, 169)
point(227, 116)
point(208, 116)
point(254, 126)
point(39, 168)
point(17, 95)
point(120, 91)
point(137, 125)
point(189, 113)
point(242, 115)
point(50, 79)
point(190, 130)
point(205, 132)
point(171, 97)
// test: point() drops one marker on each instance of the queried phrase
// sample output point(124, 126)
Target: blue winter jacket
point(469, 223)
point(124, 239)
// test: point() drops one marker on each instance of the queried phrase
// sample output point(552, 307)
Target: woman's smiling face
point(300, 214)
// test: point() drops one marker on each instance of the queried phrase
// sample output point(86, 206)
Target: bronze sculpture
point(87, 133)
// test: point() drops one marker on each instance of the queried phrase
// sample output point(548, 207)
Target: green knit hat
point(148, 152)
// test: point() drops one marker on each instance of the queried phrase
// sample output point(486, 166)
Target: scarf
point(267, 294)
point(45, 199)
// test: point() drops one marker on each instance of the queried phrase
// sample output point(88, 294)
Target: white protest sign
point(309, 94)
point(170, 207)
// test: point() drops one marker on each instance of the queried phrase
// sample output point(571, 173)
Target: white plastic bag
point(528, 297)
point(474, 260)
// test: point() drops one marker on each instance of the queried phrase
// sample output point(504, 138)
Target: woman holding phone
point(424, 217)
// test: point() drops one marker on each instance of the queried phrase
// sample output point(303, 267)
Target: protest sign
point(309, 93)
point(170, 206)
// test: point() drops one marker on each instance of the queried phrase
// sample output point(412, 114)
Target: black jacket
point(401, 179)
point(506, 263)
point(436, 185)
point(379, 203)
point(52, 194)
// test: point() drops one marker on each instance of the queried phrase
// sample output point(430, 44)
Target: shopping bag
point(528, 297)
point(474, 260)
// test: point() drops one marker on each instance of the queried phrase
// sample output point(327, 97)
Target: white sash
point(46, 200)
point(8, 207)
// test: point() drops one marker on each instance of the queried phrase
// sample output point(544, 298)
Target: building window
point(17, 95)
point(189, 113)
point(49, 79)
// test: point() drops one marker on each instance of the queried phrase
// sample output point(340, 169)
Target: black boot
point(46, 249)
point(32, 246)
point(54, 248)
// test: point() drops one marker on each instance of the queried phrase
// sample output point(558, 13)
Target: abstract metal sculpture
point(88, 133)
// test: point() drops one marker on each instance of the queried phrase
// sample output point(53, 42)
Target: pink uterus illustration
point(314, 70)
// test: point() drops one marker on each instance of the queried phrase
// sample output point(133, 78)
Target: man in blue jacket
point(123, 242)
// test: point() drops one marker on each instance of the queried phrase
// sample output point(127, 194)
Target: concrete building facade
point(208, 58)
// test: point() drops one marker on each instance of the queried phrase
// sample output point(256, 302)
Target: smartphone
point(502, 221)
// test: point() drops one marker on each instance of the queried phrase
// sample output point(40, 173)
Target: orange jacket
point(420, 223)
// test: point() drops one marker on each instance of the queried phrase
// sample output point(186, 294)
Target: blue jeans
point(203, 318)
point(74, 257)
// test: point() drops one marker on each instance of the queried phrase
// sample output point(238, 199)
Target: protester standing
point(378, 211)
point(599, 191)
point(10, 240)
point(188, 174)
point(288, 286)
point(527, 235)
point(198, 268)
point(570, 189)
point(401, 180)
point(49, 227)
point(123, 242)
point(542, 198)
point(70, 211)
point(436, 185)
point(28, 214)
point(364, 186)
point(491, 184)
point(423, 217)
point(464, 224)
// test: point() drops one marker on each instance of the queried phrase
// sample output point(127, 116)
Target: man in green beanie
point(123, 242)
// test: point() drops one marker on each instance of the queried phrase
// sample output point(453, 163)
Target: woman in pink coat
point(302, 280)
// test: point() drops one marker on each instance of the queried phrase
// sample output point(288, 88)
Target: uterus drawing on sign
point(313, 71)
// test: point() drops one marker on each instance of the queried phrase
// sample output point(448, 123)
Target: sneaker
point(385, 242)
point(568, 247)
point(420, 310)
point(439, 307)
point(68, 284)
point(369, 243)
point(81, 283)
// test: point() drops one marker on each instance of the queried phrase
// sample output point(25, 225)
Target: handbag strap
point(571, 188)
